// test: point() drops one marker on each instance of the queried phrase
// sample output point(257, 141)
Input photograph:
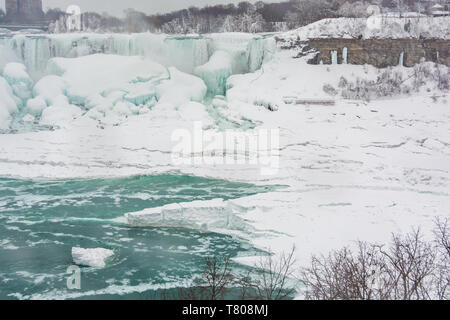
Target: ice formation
point(110, 77)
point(400, 59)
point(183, 52)
point(36, 105)
point(201, 215)
point(345, 55)
point(17, 76)
point(95, 258)
point(216, 72)
point(334, 57)
point(8, 104)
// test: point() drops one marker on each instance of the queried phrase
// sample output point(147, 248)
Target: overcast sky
point(116, 7)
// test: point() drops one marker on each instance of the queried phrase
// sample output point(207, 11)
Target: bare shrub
point(343, 275)
point(391, 82)
point(361, 89)
point(442, 274)
point(216, 278)
point(329, 89)
point(271, 278)
point(410, 268)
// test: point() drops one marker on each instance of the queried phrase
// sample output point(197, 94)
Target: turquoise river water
point(40, 222)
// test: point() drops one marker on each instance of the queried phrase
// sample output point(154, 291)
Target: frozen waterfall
point(183, 52)
point(49, 80)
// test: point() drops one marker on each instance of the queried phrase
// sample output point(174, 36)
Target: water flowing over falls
point(40, 221)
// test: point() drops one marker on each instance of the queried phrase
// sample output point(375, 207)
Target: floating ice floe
point(95, 258)
point(216, 72)
point(201, 215)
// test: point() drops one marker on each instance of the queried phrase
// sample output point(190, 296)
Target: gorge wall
point(378, 52)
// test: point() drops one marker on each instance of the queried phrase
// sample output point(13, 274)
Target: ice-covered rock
point(216, 72)
point(28, 118)
point(95, 258)
point(36, 106)
point(16, 72)
point(50, 87)
point(181, 88)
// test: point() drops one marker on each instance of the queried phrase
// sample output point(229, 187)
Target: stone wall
point(380, 52)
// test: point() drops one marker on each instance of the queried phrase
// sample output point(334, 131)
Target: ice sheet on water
point(202, 215)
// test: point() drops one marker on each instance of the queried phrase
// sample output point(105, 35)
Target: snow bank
point(379, 26)
point(95, 258)
point(36, 106)
point(216, 72)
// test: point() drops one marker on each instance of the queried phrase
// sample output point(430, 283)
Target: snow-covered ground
point(352, 171)
point(380, 26)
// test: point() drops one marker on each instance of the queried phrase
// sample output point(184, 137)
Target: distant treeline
point(243, 17)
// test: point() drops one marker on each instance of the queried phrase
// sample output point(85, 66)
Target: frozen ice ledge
point(246, 51)
point(200, 215)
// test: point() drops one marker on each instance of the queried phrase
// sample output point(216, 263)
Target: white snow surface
point(95, 258)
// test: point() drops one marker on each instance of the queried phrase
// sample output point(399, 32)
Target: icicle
point(400, 60)
point(344, 55)
point(334, 58)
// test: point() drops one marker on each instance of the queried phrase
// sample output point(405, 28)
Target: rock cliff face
point(379, 52)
